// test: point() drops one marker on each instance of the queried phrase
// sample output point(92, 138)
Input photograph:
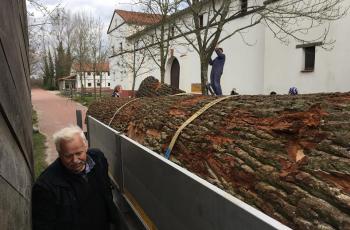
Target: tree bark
point(151, 87)
point(204, 75)
point(288, 156)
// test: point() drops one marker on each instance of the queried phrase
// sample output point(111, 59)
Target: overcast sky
point(99, 8)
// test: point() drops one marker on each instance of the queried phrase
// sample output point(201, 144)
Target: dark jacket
point(63, 200)
point(218, 64)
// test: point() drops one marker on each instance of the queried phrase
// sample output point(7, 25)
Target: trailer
point(155, 193)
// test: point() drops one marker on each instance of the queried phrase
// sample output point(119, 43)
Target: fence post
point(79, 118)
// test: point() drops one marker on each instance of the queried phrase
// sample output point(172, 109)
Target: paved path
point(54, 112)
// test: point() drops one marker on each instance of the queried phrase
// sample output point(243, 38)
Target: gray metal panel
point(172, 197)
point(108, 141)
point(176, 199)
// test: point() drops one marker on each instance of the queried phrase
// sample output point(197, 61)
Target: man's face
point(73, 154)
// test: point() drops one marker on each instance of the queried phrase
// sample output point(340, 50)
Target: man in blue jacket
point(217, 69)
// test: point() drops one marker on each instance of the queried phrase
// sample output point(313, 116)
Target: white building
point(86, 75)
point(124, 24)
point(257, 64)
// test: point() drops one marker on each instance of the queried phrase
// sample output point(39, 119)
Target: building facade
point(256, 61)
point(88, 77)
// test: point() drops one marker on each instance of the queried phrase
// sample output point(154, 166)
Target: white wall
point(258, 63)
point(283, 64)
point(89, 79)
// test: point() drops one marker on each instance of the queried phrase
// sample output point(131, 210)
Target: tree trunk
point(94, 76)
point(162, 71)
point(101, 84)
point(285, 155)
point(163, 57)
point(134, 70)
point(151, 87)
point(133, 82)
point(204, 75)
point(82, 90)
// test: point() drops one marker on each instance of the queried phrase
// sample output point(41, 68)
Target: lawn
point(39, 148)
point(89, 98)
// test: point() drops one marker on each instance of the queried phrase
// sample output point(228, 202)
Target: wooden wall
point(16, 156)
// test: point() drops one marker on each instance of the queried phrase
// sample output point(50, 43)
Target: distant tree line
point(59, 38)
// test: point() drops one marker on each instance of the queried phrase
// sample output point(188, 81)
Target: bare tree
point(157, 42)
point(39, 19)
point(98, 51)
point(135, 61)
point(204, 28)
point(82, 24)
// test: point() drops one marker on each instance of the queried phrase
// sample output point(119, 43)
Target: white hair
point(67, 134)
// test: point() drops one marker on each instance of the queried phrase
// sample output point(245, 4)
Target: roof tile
point(139, 18)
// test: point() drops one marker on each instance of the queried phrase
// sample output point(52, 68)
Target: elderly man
point(74, 192)
point(217, 70)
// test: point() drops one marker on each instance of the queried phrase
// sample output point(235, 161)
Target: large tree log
point(288, 156)
point(151, 87)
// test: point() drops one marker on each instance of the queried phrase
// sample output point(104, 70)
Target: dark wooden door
point(175, 74)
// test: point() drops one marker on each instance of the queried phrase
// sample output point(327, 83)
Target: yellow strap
point(180, 94)
point(120, 108)
point(189, 120)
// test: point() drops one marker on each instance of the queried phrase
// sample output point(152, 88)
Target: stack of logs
point(288, 156)
point(151, 87)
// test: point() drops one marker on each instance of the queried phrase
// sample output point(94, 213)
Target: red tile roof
point(139, 18)
point(104, 67)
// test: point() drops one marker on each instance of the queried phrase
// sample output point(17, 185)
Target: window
point(309, 55)
point(88, 73)
point(121, 46)
point(109, 74)
point(244, 6)
point(309, 58)
point(109, 84)
point(98, 84)
point(201, 20)
point(89, 84)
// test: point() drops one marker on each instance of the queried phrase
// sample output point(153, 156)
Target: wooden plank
point(196, 88)
point(15, 99)
point(13, 166)
point(15, 212)
point(12, 111)
point(16, 162)
point(20, 9)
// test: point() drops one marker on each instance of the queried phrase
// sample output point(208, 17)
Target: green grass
point(39, 148)
point(88, 100)
point(39, 153)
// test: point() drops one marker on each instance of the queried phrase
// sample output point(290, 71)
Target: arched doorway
point(175, 74)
